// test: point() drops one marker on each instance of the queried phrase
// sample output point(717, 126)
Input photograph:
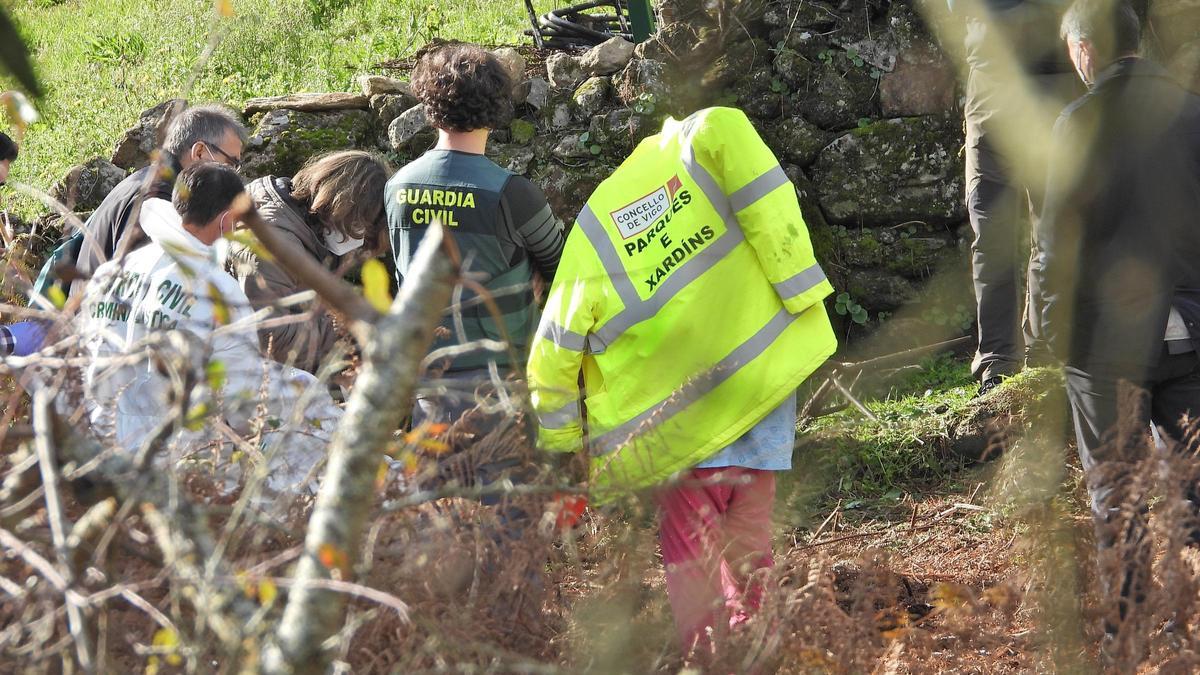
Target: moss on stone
point(286, 139)
point(522, 131)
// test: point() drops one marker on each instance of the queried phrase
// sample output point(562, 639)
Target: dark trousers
point(1112, 420)
point(1002, 268)
point(457, 402)
point(1003, 201)
point(1107, 419)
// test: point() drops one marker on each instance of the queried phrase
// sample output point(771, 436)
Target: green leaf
point(843, 297)
point(215, 374)
point(840, 309)
point(14, 55)
point(168, 639)
point(376, 287)
point(194, 420)
point(251, 243)
point(56, 296)
point(221, 315)
point(594, 149)
point(857, 62)
point(583, 138)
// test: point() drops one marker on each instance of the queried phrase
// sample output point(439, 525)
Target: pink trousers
point(715, 532)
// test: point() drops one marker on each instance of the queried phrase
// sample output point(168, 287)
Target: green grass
point(911, 448)
point(104, 61)
point(914, 415)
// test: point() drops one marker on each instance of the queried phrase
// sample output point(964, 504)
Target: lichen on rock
point(591, 96)
point(797, 140)
point(86, 185)
point(893, 171)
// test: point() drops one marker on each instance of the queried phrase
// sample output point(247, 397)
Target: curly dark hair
point(464, 88)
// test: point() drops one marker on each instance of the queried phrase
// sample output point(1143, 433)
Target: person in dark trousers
point(1018, 80)
point(1119, 250)
point(506, 234)
point(501, 222)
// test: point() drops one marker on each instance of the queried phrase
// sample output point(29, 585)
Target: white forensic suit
point(177, 283)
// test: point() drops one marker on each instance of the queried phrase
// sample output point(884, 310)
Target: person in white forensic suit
point(175, 290)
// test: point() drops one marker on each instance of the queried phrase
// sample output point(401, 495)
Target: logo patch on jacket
point(633, 219)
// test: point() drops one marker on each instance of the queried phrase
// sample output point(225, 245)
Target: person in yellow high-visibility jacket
point(689, 296)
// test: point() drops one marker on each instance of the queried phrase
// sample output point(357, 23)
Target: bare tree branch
point(381, 397)
point(184, 540)
point(58, 529)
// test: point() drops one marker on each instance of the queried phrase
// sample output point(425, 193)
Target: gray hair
point(1111, 26)
point(202, 124)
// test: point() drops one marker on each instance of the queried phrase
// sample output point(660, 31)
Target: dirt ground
point(960, 577)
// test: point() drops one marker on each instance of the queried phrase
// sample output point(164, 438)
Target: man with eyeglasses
point(209, 133)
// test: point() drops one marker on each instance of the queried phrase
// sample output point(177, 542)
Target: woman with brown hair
point(330, 208)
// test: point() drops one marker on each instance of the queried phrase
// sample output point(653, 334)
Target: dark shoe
point(988, 385)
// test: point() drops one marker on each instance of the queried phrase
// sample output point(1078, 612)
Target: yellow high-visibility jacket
point(689, 296)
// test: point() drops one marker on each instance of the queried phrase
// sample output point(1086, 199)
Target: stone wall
point(857, 102)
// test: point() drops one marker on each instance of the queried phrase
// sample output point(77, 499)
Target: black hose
point(570, 27)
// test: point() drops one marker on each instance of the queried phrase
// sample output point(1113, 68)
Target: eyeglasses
point(234, 162)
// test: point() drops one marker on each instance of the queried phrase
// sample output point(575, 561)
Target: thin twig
point(349, 588)
point(831, 516)
point(476, 492)
point(36, 561)
point(138, 601)
point(863, 535)
point(42, 428)
point(852, 399)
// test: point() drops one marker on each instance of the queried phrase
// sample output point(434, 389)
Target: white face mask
point(221, 250)
point(340, 244)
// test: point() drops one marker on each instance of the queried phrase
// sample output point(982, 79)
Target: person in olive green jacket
point(331, 208)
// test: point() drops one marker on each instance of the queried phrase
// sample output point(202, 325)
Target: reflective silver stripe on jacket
point(635, 309)
point(758, 188)
point(561, 418)
point(562, 337)
point(698, 388)
point(804, 281)
point(608, 256)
